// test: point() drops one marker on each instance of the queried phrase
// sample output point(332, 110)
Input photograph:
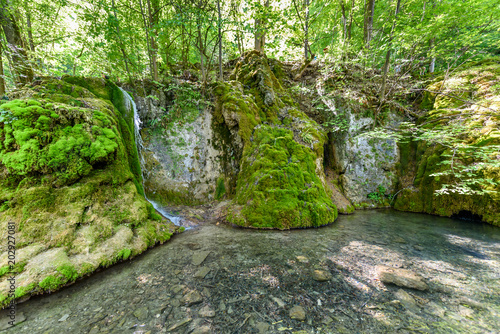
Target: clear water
point(256, 277)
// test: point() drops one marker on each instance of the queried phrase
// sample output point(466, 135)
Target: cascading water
point(130, 105)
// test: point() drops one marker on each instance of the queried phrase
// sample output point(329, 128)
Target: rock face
point(425, 167)
point(181, 164)
point(401, 277)
point(71, 184)
point(365, 164)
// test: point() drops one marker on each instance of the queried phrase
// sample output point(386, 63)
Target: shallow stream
point(219, 279)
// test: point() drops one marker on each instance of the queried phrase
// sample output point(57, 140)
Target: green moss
point(220, 190)
point(124, 254)
point(52, 283)
point(278, 186)
point(473, 82)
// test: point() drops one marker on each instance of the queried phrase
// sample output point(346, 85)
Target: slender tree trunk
point(154, 13)
point(122, 49)
point(349, 27)
point(306, 29)
point(221, 75)
point(388, 57)
point(368, 23)
point(432, 64)
point(2, 76)
point(20, 62)
point(260, 34)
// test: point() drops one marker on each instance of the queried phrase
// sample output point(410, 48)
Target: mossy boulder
point(280, 183)
point(465, 109)
point(70, 185)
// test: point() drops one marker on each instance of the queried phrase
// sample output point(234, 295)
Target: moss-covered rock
point(281, 182)
point(467, 103)
point(70, 184)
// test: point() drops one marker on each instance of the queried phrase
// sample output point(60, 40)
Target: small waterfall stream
point(130, 105)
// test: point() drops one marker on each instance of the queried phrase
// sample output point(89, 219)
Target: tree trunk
point(432, 64)
point(221, 75)
point(20, 62)
point(306, 29)
point(388, 57)
point(260, 33)
point(122, 49)
point(154, 13)
point(2, 77)
point(368, 24)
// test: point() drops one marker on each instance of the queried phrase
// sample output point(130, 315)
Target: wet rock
point(407, 300)
point(192, 298)
point(177, 288)
point(465, 311)
point(327, 320)
point(401, 277)
point(202, 272)
point(435, 309)
point(205, 329)
point(64, 318)
point(262, 327)
point(179, 324)
point(278, 301)
point(321, 275)
point(302, 259)
point(418, 247)
point(141, 313)
point(206, 312)
point(298, 313)
point(199, 257)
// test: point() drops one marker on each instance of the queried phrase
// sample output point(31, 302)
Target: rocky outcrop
point(70, 187)
point(366, 164)
point(460, 158)
point(281, 183)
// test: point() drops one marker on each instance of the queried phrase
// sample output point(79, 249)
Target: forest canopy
point(139, 39)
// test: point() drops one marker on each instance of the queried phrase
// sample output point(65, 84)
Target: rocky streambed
point(218, 279)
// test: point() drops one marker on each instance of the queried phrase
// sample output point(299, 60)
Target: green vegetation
point(278, 185)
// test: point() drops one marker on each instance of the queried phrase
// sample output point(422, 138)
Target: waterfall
point(130, 105)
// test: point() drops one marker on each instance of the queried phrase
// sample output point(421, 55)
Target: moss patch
point(471, 89)
point(71, 182)
point(280, 182)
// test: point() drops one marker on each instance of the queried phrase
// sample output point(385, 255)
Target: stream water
point(220, 279)
point(130, 105)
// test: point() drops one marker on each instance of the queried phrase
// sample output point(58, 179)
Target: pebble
point(141, 313)
point(206, 312)
point(262, 327)
point(406, 299)
point(278, 301)
point(202, 272)
point(302, 259)
point(179, 324)
point(191, 298)
point(202, 330)
point(321, 275)
point(298, 313)
point(64, 318)
point(199, 257)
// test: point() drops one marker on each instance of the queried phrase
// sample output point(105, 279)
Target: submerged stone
point(401, 277)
